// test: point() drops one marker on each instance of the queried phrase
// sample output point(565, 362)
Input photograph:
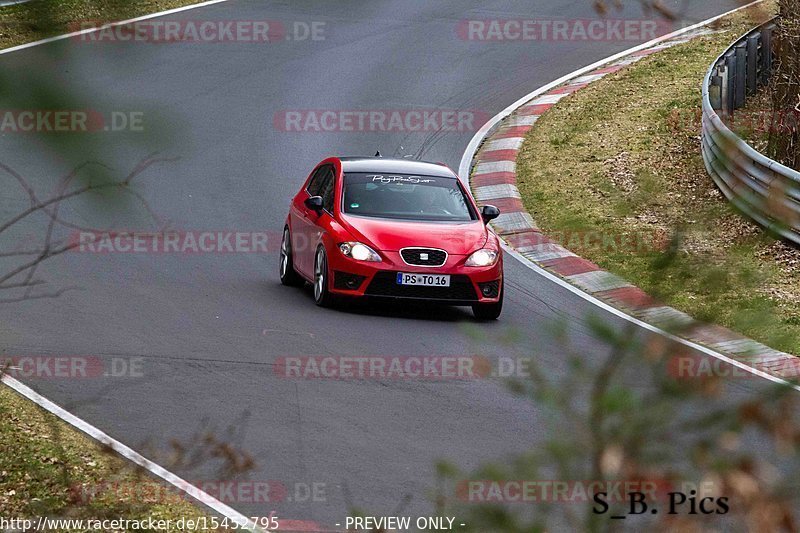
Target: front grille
point(346, 281)
point(385, 284)
point(423, 256)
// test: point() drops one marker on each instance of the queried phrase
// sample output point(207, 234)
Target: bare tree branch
point(27, 283)
point(54, 294)
point(50, 206)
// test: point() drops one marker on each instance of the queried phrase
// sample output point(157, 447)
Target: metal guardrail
point(763, 189)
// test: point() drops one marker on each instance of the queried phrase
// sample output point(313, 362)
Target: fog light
point(490, 289)
point(347, 281)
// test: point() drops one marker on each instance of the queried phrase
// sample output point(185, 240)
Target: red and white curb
point(490, 163)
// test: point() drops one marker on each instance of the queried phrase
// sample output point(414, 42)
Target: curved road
point(209, 327)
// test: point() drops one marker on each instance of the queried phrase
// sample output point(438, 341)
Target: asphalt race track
point(209, 327)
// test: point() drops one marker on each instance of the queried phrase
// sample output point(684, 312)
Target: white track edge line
point(109, 25)
point(128, 453)
point(466, 165)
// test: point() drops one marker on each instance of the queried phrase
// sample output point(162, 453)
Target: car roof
point(401, 166)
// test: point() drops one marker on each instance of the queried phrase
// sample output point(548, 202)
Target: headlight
point(358, 251)
point(482, 258)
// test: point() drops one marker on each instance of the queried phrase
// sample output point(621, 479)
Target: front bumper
point(468, 285)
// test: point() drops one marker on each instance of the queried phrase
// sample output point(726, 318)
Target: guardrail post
point(741, 75)
point(752, 63)
point(766, 53)
point(715, 92)
point(730, 82)
point(722, 72)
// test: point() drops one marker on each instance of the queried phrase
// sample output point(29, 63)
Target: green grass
point(39, 19)
point(622, 157)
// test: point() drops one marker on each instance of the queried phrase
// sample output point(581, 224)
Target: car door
point(306, 231)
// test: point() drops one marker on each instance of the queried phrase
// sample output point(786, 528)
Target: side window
point(317, 183)
point(327, 192)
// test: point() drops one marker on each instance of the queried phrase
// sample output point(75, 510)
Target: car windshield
point(406, 196)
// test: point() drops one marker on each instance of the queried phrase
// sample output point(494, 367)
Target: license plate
point(423, 280)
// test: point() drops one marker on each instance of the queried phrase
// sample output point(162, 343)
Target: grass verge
point(48, 468)
point(39, 19)
point(621, 159)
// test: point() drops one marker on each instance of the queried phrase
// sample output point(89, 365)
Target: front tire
point(289, 276)
point(322, 296)
point(489, 311)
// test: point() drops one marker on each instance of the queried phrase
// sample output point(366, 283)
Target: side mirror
point(314, 203)
point(489, 213)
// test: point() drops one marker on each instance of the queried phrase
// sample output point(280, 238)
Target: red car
point(392, 228)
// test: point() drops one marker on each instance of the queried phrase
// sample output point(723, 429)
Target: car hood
point(456, 238)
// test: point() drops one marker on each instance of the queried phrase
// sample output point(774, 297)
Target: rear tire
point(489, 311)
point(289, 275)
point(322, 296)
